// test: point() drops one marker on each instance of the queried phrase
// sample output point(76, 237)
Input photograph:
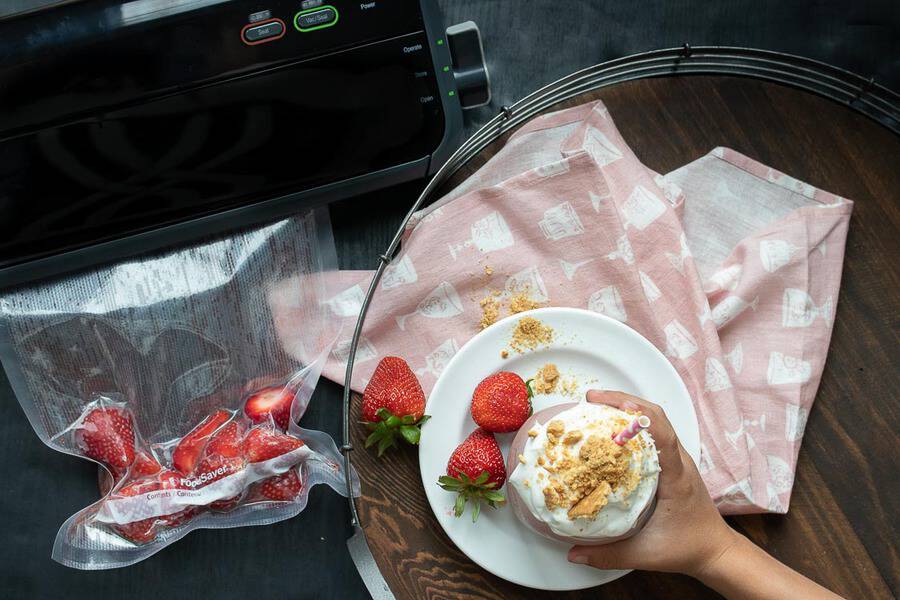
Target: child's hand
point(686, 532)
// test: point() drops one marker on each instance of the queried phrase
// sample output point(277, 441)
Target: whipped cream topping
point(545, 452)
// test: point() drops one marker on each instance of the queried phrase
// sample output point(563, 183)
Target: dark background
point(528, 44)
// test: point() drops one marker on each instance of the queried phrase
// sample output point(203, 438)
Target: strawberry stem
point(476, 490)
point(385, 432)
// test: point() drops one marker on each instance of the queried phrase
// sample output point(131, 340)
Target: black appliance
point(131, 126)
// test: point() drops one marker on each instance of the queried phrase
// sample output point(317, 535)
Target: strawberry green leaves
point(477, 491)
point(389, 428)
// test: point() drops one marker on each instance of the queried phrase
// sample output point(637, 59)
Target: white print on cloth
point(794, 422)
point(736, 358)
point(442, 303)
point(679, 341)
point(780, 475)
point(642, 208)
point(439, 357)
point(599, 147)
point(774, 254)
point(529, 282)
point(398, 273)
point(124, 510)
point(716, 376)
point(608, 301)
point(706, 461)
point(733, 436)
point(787, 369)
point(365, 351)
point(739, 493)
point(671, 191)
point(347, 303)
point(488, 234)
point(798, 309)
point(725, 311)
point(724, 279)
point(705, 315)
point(775, 504)
point(560, 222)
point(551, 169)
point(650, 290)
point(596, 200)
point(569, 269)
point(677, 261)
point(623, 250)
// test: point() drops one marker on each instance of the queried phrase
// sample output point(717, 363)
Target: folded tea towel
point(730, 268)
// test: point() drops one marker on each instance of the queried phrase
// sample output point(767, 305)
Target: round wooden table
point(841, 529)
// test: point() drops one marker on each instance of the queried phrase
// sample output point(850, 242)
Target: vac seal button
point(263, 32)
point(316, 19)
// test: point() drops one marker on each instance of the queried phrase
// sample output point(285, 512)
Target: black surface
point(527, 44)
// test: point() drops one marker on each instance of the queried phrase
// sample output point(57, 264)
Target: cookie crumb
point(546, 379)
point(504, 354)
point(521, 302)
point(529, 333)
point(488, 270)
point(522, 458)
point(532, 433)
point(490, 310)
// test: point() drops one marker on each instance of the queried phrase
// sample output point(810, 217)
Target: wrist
point(711, 559)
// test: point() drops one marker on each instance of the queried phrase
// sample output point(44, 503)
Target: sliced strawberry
point(281, 488)
point(262, 443)
point(106, 434)
point(189, 449)
point(144, 465)
point(223, 456)
point(144, 531)
point(275, 400)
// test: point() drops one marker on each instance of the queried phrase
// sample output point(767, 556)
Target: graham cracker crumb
point(488, 270)
point(522, 458)
point(504, 354)
point(521, 302)
point(556, 427)
point(572, 437)
point(532, 433)
point(490, 310)
point(546, 379)
point(529, 333)
point(591, 504)
point(569, 387)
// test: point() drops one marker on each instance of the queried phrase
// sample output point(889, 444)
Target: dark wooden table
point(842, 526)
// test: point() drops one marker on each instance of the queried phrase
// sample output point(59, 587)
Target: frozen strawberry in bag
point(178, 374)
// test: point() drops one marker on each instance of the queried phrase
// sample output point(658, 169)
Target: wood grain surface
point(841, 529)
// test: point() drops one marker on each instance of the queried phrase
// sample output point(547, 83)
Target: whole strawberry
point(393, 405)
point(501, 402)
point(106, 434)
point(476, 471)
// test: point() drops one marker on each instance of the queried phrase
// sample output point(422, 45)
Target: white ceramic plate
point(587, 346)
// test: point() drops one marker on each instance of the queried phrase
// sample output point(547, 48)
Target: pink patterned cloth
point(730, 268)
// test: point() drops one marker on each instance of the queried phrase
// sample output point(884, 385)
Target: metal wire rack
point(858, 93)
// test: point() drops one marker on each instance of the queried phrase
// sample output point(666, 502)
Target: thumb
point(618, 555)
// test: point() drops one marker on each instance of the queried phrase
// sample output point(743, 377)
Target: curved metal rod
point(862, 95)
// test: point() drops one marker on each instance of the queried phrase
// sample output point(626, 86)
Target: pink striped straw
point(634, 428)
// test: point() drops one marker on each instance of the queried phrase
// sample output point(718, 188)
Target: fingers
point(660, 427)
point(609, 556)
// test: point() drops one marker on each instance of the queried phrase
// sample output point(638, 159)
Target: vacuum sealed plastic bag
point(175, 373)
